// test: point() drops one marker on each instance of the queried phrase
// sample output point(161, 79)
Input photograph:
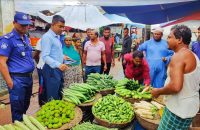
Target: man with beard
point(108, 49)
point(158, 56)
point(94, 51)
point(196, 45)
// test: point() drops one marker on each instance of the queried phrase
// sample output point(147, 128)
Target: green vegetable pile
point(132, 85)
point(131, 89)
point(29, 123)
point(113, 109)
point(89, 126)
point(78, 93)
point(101, 81)
point(56, 113)
point(128, 84)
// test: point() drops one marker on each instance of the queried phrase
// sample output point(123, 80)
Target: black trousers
point(108, 68)
point(123, 65)
point(42, 96)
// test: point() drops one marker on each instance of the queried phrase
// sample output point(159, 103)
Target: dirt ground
point(5, 114)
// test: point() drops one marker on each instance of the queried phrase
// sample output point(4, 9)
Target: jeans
point(92, 69)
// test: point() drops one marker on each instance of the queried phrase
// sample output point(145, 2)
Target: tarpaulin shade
point(80, 17)
point(194, 16)
point(155, 14)
point(115, 19)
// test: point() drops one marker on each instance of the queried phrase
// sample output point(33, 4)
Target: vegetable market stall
point(110, 111)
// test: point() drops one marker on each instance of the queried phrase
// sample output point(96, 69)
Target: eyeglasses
point(68, 40)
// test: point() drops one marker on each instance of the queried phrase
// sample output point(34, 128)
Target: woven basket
point(77, 118)
point(159, 100)
point(111, 125)
point(133, 100)
point(148, 123)
point(106, 92)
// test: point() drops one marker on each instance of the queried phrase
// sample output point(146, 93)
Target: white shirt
point(185, 104)
point(41, 62)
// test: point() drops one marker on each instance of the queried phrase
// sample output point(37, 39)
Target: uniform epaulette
point(9, 35)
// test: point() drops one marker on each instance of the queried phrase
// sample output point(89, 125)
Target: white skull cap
point(157, 29)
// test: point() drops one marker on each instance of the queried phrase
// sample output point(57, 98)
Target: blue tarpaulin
point(120, 19)
point(155, 14)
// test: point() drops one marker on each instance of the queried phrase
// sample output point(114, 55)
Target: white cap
point(157, 29)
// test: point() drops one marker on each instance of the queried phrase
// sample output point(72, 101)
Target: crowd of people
point(170, 67)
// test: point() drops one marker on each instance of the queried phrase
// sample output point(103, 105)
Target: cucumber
point(21, 125)
point(36, 123)
point(2, 128)
point(17, 128)
point(78, 94)
point(9, 127)
point(28, 122)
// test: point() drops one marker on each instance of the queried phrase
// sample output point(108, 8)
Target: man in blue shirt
point(158, 56)
point(16, 65)
point(53, 57)
point(196, 45)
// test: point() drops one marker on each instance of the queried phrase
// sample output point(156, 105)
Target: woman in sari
point(74, 74)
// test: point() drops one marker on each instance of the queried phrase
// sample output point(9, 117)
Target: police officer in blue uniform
point(16, 65)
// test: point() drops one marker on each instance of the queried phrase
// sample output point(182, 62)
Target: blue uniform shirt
point(18, 51)
point(52, 53)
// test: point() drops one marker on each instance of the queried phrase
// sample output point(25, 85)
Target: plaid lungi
point(171, 121)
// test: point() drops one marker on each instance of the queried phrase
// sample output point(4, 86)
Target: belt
point(22, 74)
